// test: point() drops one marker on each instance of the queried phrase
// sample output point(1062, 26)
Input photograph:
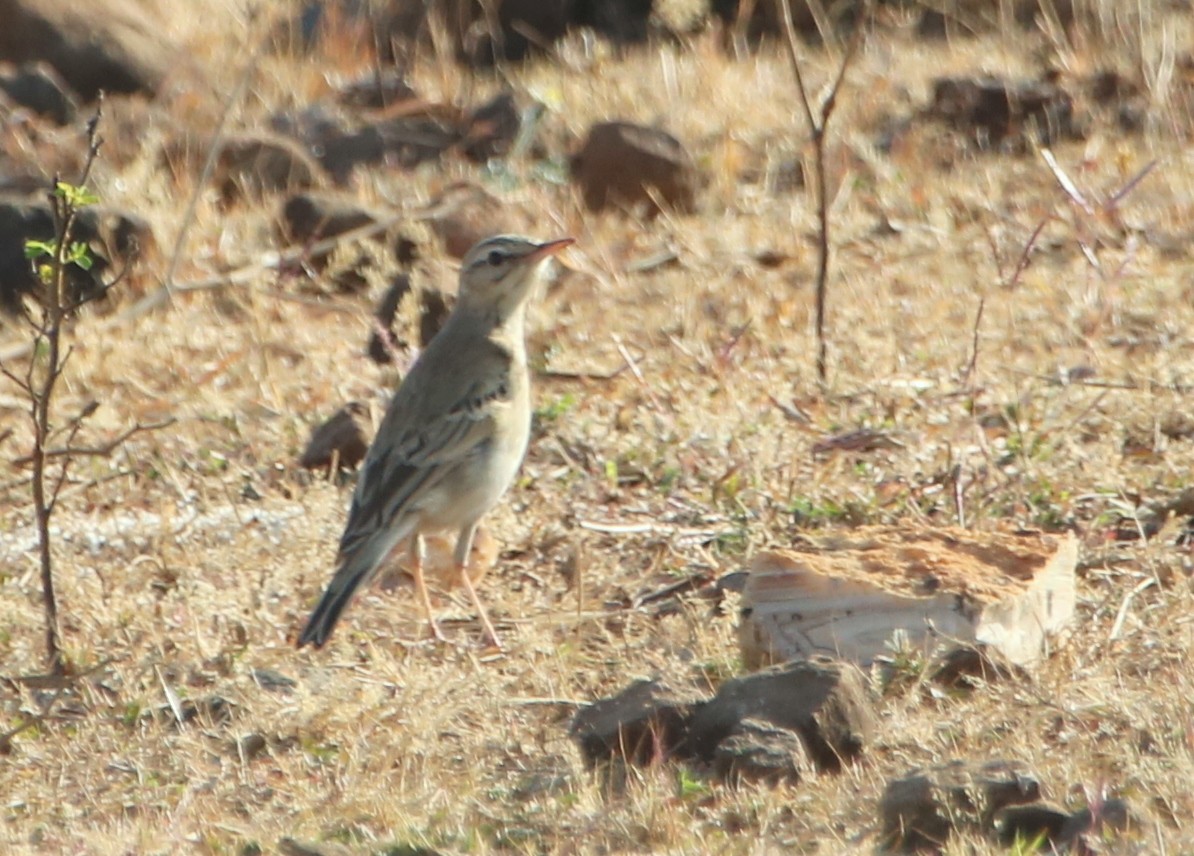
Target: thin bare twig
point(104, 449)
point(817, 125)
point(968, 375)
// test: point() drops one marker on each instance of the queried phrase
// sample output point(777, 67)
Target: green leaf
point(80, 255)
point(36, 249)
point(75, 197)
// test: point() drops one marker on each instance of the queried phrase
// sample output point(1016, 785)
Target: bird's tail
point(354, 570)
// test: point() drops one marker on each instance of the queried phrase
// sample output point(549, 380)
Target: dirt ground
point(677, 413)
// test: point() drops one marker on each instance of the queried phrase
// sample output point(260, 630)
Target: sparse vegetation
point(189, 557)
point(61, 265)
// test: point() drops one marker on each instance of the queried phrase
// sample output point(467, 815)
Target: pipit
point(453, 437)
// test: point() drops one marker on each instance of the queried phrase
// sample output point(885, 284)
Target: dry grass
point(190, 558)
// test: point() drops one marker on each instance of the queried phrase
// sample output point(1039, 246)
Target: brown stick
point(817, 125)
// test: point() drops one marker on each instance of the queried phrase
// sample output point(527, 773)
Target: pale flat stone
point(1012, 592)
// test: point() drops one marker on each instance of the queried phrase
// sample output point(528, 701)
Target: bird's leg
point(464, 546)
point(416, 570)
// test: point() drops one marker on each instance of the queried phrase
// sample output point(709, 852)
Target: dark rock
point(464, 214)
point(208, 710)
point(924, 807)
point(406, 251)
point(127, 236)
point(342, 438)
point(967, 665)
point(621, 164)
point(252, 165)
point(1031, 822)
point(993, 111)
point(1110, 818)
point(111, 235)
point(380, 350)
point(490, 129)
point(824, 701)
point(41, 89)
point(333, 137)
point(16, 185)
point(342, 142)
point(645, 722)
point(108, 45)
point(620, 21)
point(961, 18)
point(352, 277)
point(250, 746)
point(759, 752)
point(933, 24)
point(408, 141)
point(377, 91)
point(765, 20)
point(1108, 85)
point(272, 679)
point(340, 152)
point(484, 32)
point(310, 217)
point(522, 26)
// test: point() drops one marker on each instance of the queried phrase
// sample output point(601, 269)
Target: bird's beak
point(549, 248)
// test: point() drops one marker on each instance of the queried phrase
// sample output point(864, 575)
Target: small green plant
point(58, 263)
point(689, 786)
point(552, 411)
point(903, 665)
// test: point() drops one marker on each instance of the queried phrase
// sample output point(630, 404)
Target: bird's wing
point(423, 437)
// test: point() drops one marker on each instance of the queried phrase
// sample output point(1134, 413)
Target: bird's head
point(498, 273)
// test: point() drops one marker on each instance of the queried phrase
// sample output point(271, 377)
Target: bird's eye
point(495, 258)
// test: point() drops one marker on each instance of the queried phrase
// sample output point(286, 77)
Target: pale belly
point(477, 483)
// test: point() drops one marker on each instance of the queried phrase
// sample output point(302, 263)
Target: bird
point(453, 437)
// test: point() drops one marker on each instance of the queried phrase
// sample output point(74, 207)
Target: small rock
point(994, 111)
point(766, 22)
point(41, 89)
point(339, 140)
point(824, 701)
point(759, 752)
point(645, 722)
point(625, 164)
point(924, 807)
point(464, 214)
point(965, 666)
point(271, 679)
point(973, 17)
point(627, 21)
point(764, 19)
point(380, 350)
point(309, 217)
point(1111, 817)
point(376, 91)
point(490, 130)
point(1031, 822)
point(102, 45)
point(406, 251)
point(353, 275)
point(294, 847)
point(408, 141)
point(343, 437)
point(22, 219)
point(211, 710)
point(522, 26)
point(252, 165)
point(250, 746)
